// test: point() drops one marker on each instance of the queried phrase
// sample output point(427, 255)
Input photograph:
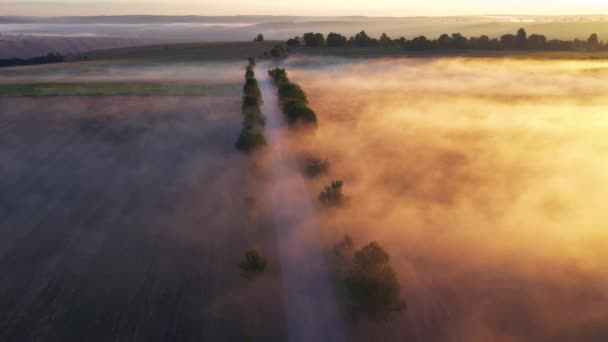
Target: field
point(125, 208)
point(124, 217)
point(483, 178)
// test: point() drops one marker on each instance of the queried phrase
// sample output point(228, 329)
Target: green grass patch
point(104, 89)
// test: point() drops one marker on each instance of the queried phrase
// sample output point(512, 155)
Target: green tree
point(250, 139)
point(336, 40)
point(593, 41)
point(314, 39)
point(332, 194)
point(386, 41)
point(372, 283)
point(278, 51)
point(254, 263)
point(259, 38)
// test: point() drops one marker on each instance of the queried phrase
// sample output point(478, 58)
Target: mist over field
point(134, 180)
point(125, 216)
point(484, 179)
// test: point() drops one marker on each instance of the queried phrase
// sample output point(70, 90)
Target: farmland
point(126, 210)
point(116, 211)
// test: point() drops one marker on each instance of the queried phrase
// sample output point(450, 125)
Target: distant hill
point(32, 46)
point(101, 32)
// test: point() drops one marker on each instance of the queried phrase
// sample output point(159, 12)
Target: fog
point(124, 217)
point(212, 73)
point(483, 178)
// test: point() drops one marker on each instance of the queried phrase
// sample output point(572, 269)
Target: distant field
point(100, 89)
point(182, 52)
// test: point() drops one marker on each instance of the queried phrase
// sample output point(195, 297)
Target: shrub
point(291, 91)
point(278, 51)
point(336, 40)
point(313, 166)
point(249, 73)
point(293, 42)
point(250, 139)
point(332, 194)
point(372, 283)
point(251, 88)
point(254, 118)
point(279, 76)
point(314, 39)
point(254, 263)
point(299, 113)
point(251, 101)
point(259, 38)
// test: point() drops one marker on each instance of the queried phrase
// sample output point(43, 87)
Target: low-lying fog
point(204, 72)
point(486, 181)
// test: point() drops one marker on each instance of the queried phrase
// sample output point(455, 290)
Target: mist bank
point(483, 179)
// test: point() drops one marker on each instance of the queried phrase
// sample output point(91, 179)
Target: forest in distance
point(456, 41)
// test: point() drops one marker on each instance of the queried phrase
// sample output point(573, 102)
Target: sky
point(308, 7)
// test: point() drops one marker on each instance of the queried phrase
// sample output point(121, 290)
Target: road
point(310, 302)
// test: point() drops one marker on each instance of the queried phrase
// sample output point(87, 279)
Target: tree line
point(293, 99)
point(456, 41)
point(52, 57)
point(252, 136)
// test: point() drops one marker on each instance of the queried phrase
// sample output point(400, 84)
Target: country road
point(310, 302)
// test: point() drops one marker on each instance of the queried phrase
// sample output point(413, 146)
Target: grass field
point(125, 216)
point(105, 89)
point(182, 52)
point(125, 208)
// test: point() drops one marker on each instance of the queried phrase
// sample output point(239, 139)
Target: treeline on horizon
point(52, 57)
point(456, 41)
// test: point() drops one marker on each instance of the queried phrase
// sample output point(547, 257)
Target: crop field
point(126, 208)
point(484, 179)
point(124, 217)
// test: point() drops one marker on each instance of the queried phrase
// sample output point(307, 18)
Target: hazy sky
point(300, 7)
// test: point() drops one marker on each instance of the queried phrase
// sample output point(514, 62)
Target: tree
point(458, 41)
point(537, 42)
point(313, 166)
point(278, 51)
point(254, 263)
point(444, 41)
point(336, 40)
point(509, 41)
point(291, 91)
point(522, 36)
point(332, 194)
point(293, 42)
point(386, 41)
point(259, 38)
point(372, 283)
point(593, 41)
point(419, 44)
point(362, 39)
point(250, 139)
point(314, 39)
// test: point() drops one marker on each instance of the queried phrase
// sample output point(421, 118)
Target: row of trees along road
point(368, 277)
point(252, 136)
point(455, 41)
point(293, 100)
